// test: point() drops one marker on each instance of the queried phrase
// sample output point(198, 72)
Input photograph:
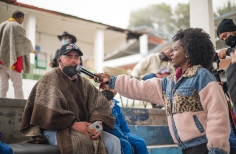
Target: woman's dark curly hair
point(197, 46)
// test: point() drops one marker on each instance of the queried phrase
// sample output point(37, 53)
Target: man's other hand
point(94, 137)
point(83, 128)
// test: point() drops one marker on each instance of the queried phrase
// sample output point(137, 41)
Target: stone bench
point(27, 148)
point(11, 111)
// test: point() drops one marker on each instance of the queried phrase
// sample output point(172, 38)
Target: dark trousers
point(199, 149)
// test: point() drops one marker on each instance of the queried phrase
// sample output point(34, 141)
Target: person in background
point(196, 107)
point(121, 130)
point(226, 31)
point(154, 65)
point(15, 52)
point(65, 38)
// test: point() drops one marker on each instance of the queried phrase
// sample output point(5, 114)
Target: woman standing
point(195, 104)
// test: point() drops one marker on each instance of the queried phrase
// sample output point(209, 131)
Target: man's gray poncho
point(55, 102)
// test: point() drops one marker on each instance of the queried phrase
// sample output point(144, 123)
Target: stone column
point(202, 16)
point(31, 32)
point(143, 43)
point(98, 51)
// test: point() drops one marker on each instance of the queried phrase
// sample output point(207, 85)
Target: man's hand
point(222, 54)
point(104, 77)
point(233, 57)
point(94, 137)
point(83, 128)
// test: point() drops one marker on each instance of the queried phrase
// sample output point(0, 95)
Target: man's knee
point(114, 140)
point(3, 90)
point(16, 79)
point(109, 138)
point(112, 143)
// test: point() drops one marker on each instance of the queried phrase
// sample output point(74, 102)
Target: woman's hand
point(104, 77)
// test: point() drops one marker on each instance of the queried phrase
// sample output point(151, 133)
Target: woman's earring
point(186, 56)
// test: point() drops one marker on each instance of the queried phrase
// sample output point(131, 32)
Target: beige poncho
point(55, 102)
point(13, 44)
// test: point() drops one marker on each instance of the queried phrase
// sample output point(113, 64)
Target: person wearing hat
point(227, 31)
point(62, 105)
point(65, 38)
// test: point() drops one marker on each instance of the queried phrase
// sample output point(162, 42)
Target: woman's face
point(178, 56)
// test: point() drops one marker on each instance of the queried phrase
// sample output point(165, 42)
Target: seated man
point(154, 65)
point(121, 129)
point(62, 105)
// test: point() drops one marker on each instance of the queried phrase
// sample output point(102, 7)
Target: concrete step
point(153, 135)
point(164, 149)
point(144, 116)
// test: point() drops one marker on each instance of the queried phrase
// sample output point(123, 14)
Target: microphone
point(81, 69)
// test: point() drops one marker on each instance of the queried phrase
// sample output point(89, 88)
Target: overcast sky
point(111, 12)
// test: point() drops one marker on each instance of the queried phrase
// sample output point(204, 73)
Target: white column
point(98, 51)
point(143, 43)
point(30, 32)
point(202, 16)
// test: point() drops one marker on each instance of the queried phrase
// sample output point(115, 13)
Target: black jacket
point(54, 61)
point(231, 82)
